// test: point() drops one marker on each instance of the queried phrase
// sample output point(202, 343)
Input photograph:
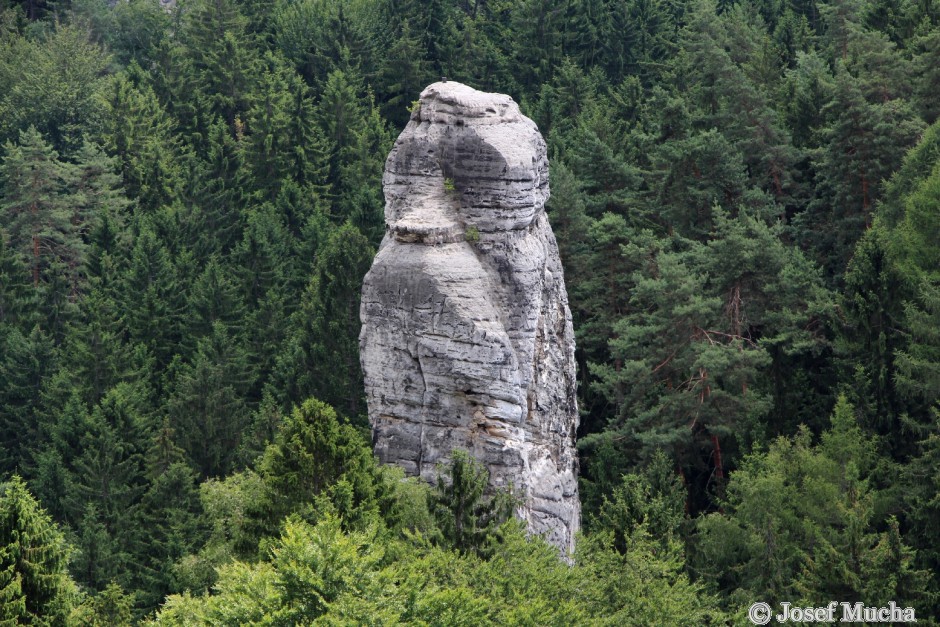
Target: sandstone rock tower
point(466, 333)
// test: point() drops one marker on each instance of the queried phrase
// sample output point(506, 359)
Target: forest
point(746, 196)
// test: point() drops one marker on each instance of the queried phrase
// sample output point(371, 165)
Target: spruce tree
point(224, 70)
point(150, 297)
point(17, 298)
point(927, 74)
point(540, 24)
point(25, 359)
point(918, 364)
point(138, 132)
point(108, 483)
point(921, 486)
point(207, 402)
point(215, 298)
point(263, 264)
point(170, 511)
point(36, 587)
point(318, 462)
point(320, 357)
point(95, 355)
point(219, 193)
point(283, 141)
point(96, 190)
point(467, 518)
point(799, 522)
point(404, 70)
point(111, 606)
point(310, 35)
point(364, 203)
point(340, 113)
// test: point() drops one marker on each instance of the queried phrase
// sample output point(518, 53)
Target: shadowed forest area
point(746, 196)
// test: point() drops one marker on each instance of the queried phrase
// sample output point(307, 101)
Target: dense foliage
point(746, 196)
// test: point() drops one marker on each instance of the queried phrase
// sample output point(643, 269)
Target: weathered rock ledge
point(466, 339)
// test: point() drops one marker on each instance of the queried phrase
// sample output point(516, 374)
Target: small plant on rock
point(472, 234)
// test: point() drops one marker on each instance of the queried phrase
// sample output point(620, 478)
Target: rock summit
point(466, 338)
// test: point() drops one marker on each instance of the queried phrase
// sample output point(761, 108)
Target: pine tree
point(721, 68)
point(693, 175)
point(862, 145)
point(34, 199)
point(699, 356)
point(775, 295)
point(56, 91)
point(686, 371)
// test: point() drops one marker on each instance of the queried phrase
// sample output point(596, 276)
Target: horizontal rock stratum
point(466, 336)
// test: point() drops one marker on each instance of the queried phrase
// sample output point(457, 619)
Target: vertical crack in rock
point(466, 299)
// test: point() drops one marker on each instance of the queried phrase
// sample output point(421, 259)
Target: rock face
point(466, 333)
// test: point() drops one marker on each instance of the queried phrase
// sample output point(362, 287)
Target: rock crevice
point(466, 339)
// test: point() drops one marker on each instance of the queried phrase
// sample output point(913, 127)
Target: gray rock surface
point(466, 333)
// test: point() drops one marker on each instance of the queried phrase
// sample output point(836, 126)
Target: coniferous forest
point(746, 195)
